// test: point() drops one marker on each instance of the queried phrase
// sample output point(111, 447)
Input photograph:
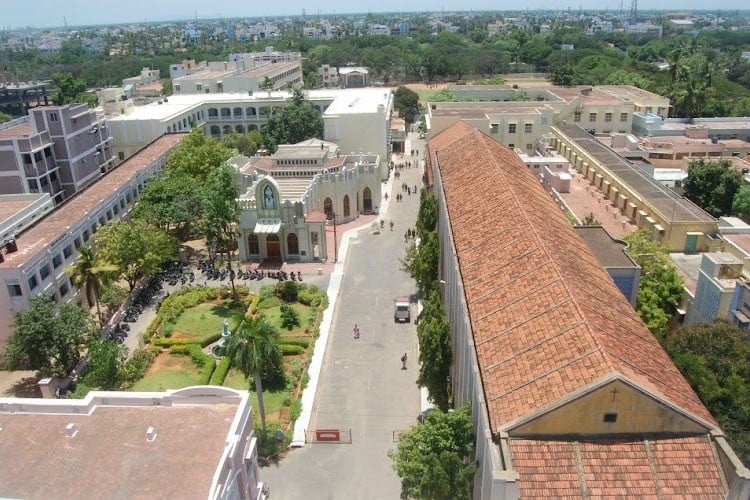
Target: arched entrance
point(347, 211)
point(367, 200)
point(292, 244)
point(273, 246)
point(328, 208)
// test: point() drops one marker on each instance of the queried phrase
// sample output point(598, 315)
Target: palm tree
point(88, 274)
point(254, 349)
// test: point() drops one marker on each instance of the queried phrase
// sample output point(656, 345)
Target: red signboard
point(328, 434)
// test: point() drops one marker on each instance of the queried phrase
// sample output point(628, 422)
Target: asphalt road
point(362, 385)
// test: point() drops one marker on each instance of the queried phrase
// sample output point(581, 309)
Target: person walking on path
point(403, 362)
point(356, 331)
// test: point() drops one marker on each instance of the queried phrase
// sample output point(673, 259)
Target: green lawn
point(273, 401)
point(273, 315)
point(205, 320)
point(173, 378)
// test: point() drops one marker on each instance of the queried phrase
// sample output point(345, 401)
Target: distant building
point(645, 30)
point(196, 442)
point(242, 73)
point(345, 77)
point(715, 288)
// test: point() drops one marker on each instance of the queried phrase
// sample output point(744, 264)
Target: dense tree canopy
point(71, 90)
point(197, 156)
point(661, 287)
point(431, 459)
point(135, 248)
point(435, 351)
point(48, 338)
point(712, 185)
point(713, 358)
point(406, 102)
point(294, 123)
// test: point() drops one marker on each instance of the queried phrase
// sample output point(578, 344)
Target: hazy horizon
point(46, 13)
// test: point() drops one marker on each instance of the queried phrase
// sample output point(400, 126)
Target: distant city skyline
point(48, 13)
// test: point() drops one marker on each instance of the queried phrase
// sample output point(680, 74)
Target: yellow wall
point(636, 413)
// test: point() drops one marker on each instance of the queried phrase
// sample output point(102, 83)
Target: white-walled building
point(358, 120)
point(36, 263)
point(196, 442)
point(288, 197)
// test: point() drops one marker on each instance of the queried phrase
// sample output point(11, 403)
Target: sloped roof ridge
point(493, 145)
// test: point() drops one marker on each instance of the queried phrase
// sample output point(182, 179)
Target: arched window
point(227, 129)
point(215, 131)
point(347, 211)
point(225, 113)
point(252, 127)
point(292, 244)
point(240, 129)
point(250, 112)
point(213, 113)
point(328, 208)
point(237, 112)
point(367, 200)
point(252, 244)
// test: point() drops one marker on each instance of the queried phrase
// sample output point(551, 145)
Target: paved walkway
point(585, 198)
point(358, 384)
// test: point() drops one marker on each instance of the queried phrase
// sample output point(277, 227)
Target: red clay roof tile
point(546, 317)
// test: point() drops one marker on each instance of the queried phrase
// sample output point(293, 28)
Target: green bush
point(287, 291)
point(291, 350)
point(222, 368)
point(254, 304)
point(295, 341)
point(269, 302)
point(289, 317)
point(296, 410)
point(169, 342)
point(312, 296)
point(268, 446)
point(135, 367)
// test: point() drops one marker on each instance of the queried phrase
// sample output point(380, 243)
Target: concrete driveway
point(362, 386)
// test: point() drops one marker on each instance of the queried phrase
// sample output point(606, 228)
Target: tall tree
point(712, 185)
point(106, 358)
point(196, 156)
point(406, 101)
point(255, 351)
point(173, 203)
point(47, 339)
point(88, 274)
point(741, 203)
point(660, 289)
point(294, 123)
point(435, 351)
point(428, 213)
point(135, 248)
point(221, 212)
point(432, 459)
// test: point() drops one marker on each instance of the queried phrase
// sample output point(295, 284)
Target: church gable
point(615, 408)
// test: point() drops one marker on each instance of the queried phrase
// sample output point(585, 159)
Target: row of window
point(593, 117)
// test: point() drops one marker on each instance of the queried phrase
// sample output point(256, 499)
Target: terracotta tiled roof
point(547, 319)
point(664, 468)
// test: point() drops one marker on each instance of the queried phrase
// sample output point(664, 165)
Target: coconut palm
point(88, 274)
point(254, 349)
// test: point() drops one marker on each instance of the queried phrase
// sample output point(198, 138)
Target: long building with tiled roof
point(572, 394)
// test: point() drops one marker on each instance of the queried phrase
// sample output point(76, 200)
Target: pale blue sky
point(44, 13)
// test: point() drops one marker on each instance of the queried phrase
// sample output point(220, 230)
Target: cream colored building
point(519, 117)
point(245, 73)
point(358, 120)
point(669, 218)
point(290, 196)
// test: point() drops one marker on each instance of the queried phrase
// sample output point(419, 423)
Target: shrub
point(268, 446)
point(222, 368)
point(254, 304)
point(289, 317)
point(200, 358)
point(312, 296)
point(135, 367)
point(169, 342)
point(295, 341)
point(269, 302)
point(296, 410)
point(287, 291)
point(291, 350)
